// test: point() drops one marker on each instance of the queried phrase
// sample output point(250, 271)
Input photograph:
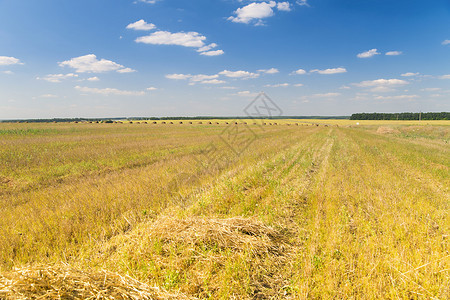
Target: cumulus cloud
point(141, 25)
point(8, 60)
point(239, 74)
point(90, 64)
point(382, 82)
point(207, 48)
point(409, 74)
point(212, 81)
point(212, 53)
point(326, 95)
point(178, 76)
point(277, 85)
point(298, 85)
point(394, 53)
point(330, 71)
point(368, 54)
point(152, 88)
point(109, 91)
point(299, 72)
point(302, 2)
point(246, 94)
point(199, 78)
point(446, 42)
point(269, 71)
point(445, 77)
point(185, 39)
point(284, 6)
point(57, 78)
point(398, 97)
point(382, 85)
point(256, 11)
point(95, 78)
point(126, 70)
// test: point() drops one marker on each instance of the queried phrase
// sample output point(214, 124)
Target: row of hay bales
point(209, 123)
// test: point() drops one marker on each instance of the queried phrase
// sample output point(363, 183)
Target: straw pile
point(234, 233)
point(200, 249)
point(64, 282)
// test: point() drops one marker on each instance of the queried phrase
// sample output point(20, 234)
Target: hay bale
point(386, 130)
point(65, 282)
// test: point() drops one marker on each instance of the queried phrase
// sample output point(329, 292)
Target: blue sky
point(102, 58)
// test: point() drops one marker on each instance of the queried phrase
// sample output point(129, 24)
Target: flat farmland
point(298, 209)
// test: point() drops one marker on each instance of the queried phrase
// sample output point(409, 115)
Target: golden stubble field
point(181, 211)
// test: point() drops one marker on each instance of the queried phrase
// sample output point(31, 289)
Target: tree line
point(402, 116)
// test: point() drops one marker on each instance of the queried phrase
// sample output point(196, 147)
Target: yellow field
point(226, 211)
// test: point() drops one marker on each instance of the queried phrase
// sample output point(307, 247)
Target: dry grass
point(386, 130)
point(305, 212)
point(64, 282)
point(194, 255)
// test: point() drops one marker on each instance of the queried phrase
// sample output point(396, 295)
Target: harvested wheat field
point(218, 210)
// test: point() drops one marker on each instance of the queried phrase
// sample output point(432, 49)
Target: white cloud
point(299, 72)
point(152, 88)
point(382, 85)
point(368, 54)
point(302, 2)
point(202, 77)
point(326, 95)
point(445, 77)
point(95, 78)
point(147, 1)
point(207, 48)
point(239, 74)
point(298, 85)
point(409, 74)
point(109, 91)
point(344, 87)
point(57, 78)
point(228, 87)
point(141, 25)
point(330, 71)
point(199, 78)
point(284, 6)
point(446, 42)
point(8, 72)
point(90, 64)
point(48, 96)
point(178, 76)
point(394, 53)
point(430, 89)
point(399, 97)
point(277, 85)
point(382, 89)
point(186, 39)
point(8, 60)
point(246, 94)
point(212, 81)
point(126, 70)
point(212, 53)
point(253, 11)
point(269, 71)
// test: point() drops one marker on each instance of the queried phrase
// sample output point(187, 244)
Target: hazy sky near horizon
point(102, 58)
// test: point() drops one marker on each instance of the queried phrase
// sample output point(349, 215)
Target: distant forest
point(402, 116)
